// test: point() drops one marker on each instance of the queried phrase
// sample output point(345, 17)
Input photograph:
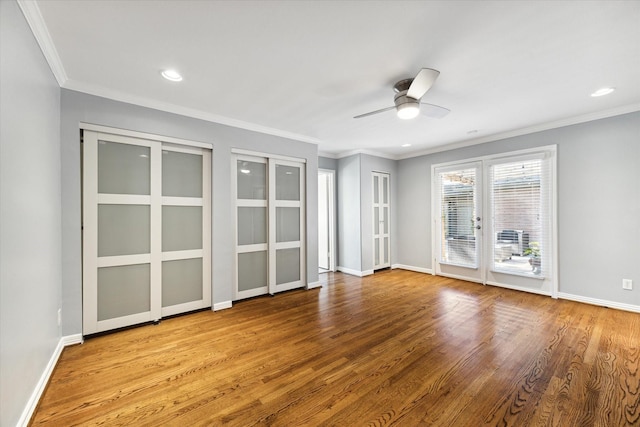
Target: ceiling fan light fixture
point(408, 110)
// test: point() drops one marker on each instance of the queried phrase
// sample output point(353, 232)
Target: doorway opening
point(326, 221)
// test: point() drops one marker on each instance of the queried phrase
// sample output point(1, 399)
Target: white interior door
point(381, 225)
point(326, 221)
point(287, 266)
point(252, 250)
point(135, 265)
point(270, 225)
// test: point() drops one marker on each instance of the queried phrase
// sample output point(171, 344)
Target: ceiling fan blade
point(375, 112)
point(433, 111)
point(422, 83)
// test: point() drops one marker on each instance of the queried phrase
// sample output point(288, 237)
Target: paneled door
point(146, 230)
point(494, 219)
point(459, 223)
point(381, 227)
point(270, 212)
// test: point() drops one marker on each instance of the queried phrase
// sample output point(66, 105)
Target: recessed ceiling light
point(406, 145)
point(172, 75)
point(603, 91)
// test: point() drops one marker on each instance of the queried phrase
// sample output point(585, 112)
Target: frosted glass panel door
point(250, 184)
point(381, 230)
point(146, 230)
point(286, 252)
point(269, 225)
point(186, 229)
point(120, 250)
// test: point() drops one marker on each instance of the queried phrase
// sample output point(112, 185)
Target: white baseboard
point(350, 271)
point(600, 302)
point(222, 305)
point(314, 285)
point(31, 405)
point(412, 268)
point(520, 288)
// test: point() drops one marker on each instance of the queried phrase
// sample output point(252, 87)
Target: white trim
point(34, 18)
point(34, 399)
point(350, 271)
point(600, 302)
point(525, 131)
point(183, 201)
point(143, 135)
point(519, 288)
point(412, 268)
point(123, 199)
point(314, 285)
point(459, 277)
point(331, 203)
point(122, 260)
point(222, 305)
point(269, 156)
point(362, 151)
point(183, 111)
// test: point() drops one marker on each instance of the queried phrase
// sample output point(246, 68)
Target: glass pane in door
point(252, 225)
point(287, 265)
point(123, 290)
point(123, 230)
point(123, 168)
point(458, 202)
point(181, 174)
point(252, 270)
point(287, 182)
point(252, 180)
point(181, 228)
point(181, 281)
point(287, 224)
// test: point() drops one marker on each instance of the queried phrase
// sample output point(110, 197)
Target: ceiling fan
point(408, 95)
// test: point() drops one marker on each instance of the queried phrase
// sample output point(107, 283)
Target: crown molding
point(631, 108)
point(32, 14)
point(183, 111)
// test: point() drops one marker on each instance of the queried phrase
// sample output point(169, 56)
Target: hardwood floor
point(396, 348)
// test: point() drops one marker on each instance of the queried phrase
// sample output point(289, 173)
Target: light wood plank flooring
point(396, 348)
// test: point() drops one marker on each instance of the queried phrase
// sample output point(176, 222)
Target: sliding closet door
point(186, 229)
point(252, 252)
point(121, 252)
point(270, 214)
point(286, 224)
point(146, 230)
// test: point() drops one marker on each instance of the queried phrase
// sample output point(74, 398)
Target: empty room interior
point(319, 213)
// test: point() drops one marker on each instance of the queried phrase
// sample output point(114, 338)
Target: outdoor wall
point(30, 272)
point(598, 205)
point(78, 107)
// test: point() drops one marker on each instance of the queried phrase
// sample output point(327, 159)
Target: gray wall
point(368, 165)
point(598, 204)
point(78, 107)
point(349, 246)
point(30, 271)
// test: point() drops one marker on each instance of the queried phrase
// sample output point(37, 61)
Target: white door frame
point(549, 152)
point(90, 201)
point(377, 231)
point(331, 215)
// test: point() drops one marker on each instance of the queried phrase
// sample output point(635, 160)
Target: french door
point(146, 230)
point(270, 219)
point(381, 227)
point(494, 219)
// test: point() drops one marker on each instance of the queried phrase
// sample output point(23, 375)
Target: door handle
point(478, 227)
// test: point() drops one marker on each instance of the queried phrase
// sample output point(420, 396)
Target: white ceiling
point(303, 69)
